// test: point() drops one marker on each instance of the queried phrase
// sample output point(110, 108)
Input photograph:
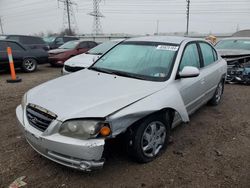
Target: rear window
point(66, 39)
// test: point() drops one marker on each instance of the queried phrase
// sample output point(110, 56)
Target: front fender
point(167, 98)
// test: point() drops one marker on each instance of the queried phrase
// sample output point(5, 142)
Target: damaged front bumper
point(84, 155)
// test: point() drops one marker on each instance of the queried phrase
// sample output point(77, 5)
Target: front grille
point(38, 117)
point(72, 69)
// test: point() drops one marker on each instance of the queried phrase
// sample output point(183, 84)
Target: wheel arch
point(26, 57)
point(133, 120)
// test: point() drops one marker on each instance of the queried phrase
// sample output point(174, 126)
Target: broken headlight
point(83, 129)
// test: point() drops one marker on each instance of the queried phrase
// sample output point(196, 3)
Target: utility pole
point(188, 12)
point(68, 17)
point(157, 27)
point(1, 25)
point(67, 4)
point(97, 27)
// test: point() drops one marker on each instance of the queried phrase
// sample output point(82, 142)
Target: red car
point(69, 49)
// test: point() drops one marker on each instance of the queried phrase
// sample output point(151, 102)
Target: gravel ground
point(212, 151)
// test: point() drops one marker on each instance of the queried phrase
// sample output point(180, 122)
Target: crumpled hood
point(88, 93)
point(231, 52)
point(58, 50)
point(82, 60)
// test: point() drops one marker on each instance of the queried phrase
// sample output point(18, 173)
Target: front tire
point(150, 138)
point(29, 65)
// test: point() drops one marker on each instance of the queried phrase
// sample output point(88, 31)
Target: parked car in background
point(84, 60)
point(31, 42)
point(23, 57)
point(58, 56)
point(236, 51)
point(55, 42)
point(141, 88)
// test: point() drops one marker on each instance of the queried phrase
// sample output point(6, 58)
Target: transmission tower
point(97, 27)
point(69, 20)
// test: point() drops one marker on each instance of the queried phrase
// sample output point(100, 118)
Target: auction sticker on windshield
point(167, 47)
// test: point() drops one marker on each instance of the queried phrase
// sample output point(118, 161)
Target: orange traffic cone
point(14, 78)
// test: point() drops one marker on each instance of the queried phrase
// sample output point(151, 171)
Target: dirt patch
point(212, 151)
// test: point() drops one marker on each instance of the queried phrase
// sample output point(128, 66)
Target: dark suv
point(30, 42)
point(55, 42)
point(23, 57)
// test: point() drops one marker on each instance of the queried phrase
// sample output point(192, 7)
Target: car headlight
point(24, 100)
point(84, 129)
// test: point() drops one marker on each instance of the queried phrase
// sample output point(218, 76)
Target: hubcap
point(29, 64)
point(153, 138)
point(219, 92)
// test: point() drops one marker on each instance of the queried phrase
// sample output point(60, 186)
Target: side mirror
point(189, 72)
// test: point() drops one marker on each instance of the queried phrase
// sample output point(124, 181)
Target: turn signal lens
point(105, 131)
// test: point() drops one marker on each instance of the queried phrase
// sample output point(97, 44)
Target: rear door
point(210, 69)
point(3, 53)
point(17, 52)
point(191, 88)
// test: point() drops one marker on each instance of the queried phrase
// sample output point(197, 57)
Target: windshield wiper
point(101, 70)
point(125, 74)
point(117, 73)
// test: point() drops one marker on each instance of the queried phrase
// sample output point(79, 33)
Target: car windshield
point(239, 44)
point(49, 39)
point(69, 45)
point(140, 60)
point(102, 48)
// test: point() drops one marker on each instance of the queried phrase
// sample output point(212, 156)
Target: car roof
point(165, 39)
point(7, 40)
point(236, 38)
point(22, 36)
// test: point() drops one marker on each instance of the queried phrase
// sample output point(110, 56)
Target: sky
point(126, 16)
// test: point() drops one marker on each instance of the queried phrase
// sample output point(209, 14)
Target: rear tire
point(29, 65)
point(149, 138)
point(217, 95)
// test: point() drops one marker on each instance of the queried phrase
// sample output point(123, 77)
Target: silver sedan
point(142, 88)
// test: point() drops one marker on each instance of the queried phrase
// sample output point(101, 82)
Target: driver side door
point(191, 88)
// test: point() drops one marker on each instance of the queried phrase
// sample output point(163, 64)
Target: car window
point(207, 53)
point(31, 40)
point(15, 38)
point(70, 45)
point(83, 45)
point(66, 39)
point(59, 40)
point(92, 44)
point(15, 46)
point(102, 48)
point(3, 46)
point(190, 57)
point(147, 60)
point(215, 55)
